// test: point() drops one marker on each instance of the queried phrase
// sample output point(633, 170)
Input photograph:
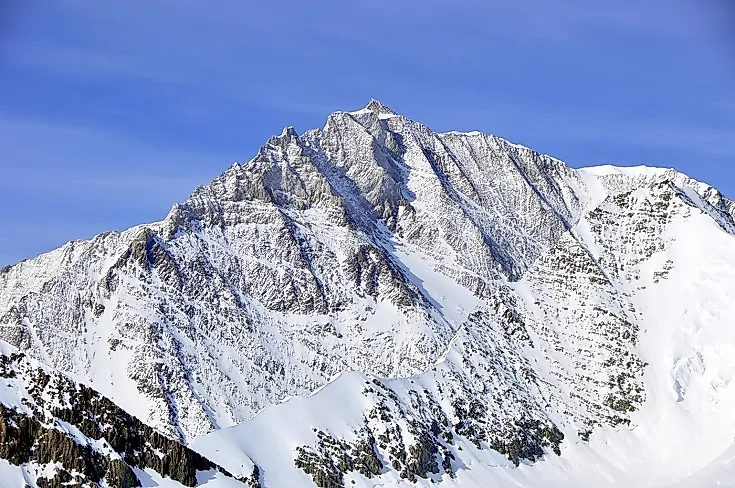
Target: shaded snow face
point(512, 307)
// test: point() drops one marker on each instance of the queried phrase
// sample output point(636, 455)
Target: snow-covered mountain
point(480, 314)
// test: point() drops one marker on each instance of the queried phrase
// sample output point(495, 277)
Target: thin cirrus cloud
point(107, 165)
point(237, 51)
point(57, 177)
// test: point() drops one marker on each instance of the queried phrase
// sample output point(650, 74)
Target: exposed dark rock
point(55, 398)
point(119, 475)
point(332, 459)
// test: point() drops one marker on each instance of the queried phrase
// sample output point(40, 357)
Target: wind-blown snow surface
point(502, 308)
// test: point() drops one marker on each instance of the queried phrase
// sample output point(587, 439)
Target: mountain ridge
point(513, 288)
point(203, 203)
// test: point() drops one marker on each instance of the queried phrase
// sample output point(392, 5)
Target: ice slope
point(679, 279)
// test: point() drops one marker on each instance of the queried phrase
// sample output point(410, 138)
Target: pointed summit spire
point(289, 132)
point(378, 108)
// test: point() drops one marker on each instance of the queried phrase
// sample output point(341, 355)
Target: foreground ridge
point(49, 420)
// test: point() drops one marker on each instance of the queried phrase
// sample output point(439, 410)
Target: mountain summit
point(378, 108)
point(381, 301)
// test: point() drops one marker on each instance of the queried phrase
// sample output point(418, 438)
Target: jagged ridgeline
point(500, 316)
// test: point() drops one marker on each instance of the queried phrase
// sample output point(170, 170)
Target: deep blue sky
point(112, 110)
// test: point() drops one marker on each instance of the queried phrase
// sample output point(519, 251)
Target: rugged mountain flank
point(283, 271)
point(598, 345)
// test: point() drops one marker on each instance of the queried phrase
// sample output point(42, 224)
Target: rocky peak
point(378, 108)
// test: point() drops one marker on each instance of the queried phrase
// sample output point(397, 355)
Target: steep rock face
point(601, 350)
point(284, 271)
point(451, 194)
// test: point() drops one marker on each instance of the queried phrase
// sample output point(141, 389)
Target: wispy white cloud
point(40, 152)
point(66, 181)
point(222, 51)
point(242, 52)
